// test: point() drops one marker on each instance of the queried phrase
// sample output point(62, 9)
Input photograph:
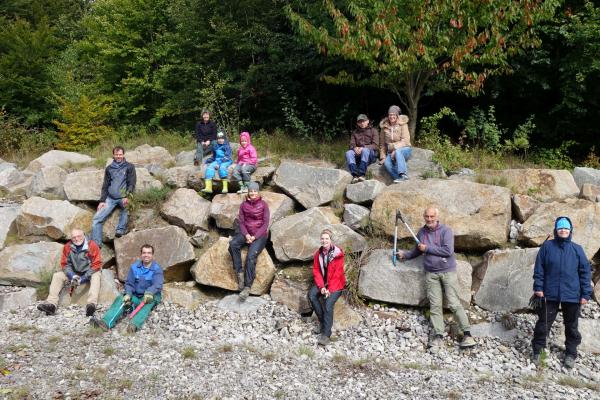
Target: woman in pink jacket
point(246, 162)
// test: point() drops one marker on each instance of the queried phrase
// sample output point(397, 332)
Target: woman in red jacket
point(328, 271)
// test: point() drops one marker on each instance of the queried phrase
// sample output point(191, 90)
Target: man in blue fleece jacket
point(561, 277)
point(436, 243)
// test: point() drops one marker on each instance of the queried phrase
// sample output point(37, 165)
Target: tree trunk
point(410, 96)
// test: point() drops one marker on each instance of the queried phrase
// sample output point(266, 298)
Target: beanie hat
point(394, 110)
point(563, 223)
point(253, 186)
point(362, 117)
point(220, 135)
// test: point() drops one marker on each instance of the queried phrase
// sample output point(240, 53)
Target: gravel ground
point(214, 354)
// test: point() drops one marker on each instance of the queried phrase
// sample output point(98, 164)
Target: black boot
point(99, 323)
point(48, 308)
point(90, 309)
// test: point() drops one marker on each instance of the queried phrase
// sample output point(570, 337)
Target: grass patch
point(453, 395)
point(306, 351)
point(188, 353)
point(16, 393)
point(3, 363)
point(577, 383)
point(361, 363)
point(151, 198)
point(337, 204)
point(108, 351)
point(23, 328)
point(413, 365)
point(269, 356)
point(54, 339)
point(225, 348)
point(153, 343)
point(94, 332)
point(280, 394)
point(124, 384)
point(15, 348)
point(492, 180)
point(339, 358)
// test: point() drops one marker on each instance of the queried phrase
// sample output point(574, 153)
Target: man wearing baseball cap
point(363, 148)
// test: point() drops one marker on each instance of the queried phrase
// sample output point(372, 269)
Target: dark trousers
point(324, 308)
point(235, 249)
point(546, 317)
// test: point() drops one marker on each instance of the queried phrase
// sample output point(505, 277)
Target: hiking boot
point(569, 361)
point(360, 179)
point(131, 328)
point(536, 359)
point(323, 340)
point(90, 309)
point(120, 234)
point(467, 341)
point(436, 341)
point(240, 278)
point(48, 308)
point(244, 293)
point(243, 189)
point(354, 180)
point(99, 324)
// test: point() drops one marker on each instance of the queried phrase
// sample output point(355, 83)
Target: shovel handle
point(137, 309)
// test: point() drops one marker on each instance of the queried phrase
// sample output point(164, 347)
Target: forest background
point(481, 80)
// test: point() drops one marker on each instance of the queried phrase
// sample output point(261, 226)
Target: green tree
point(417, 48)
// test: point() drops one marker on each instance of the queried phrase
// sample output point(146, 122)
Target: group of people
point(214, 144)
point(392, 147)
point(562, 271)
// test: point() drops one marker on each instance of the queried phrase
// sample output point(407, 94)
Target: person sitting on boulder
point(253, 218)
point(246, 162)
point(395, 144)
point(561, 277)
point(330, 281)
point(220, 160)
point(80, 264)
point(143, 286)
point(364, 144)
point(206, 136)
point(436, 244)
point(119, 182)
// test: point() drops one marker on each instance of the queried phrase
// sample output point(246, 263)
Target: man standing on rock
point(119, 183)
point(80, 263)
point(144, 285)
point(561, 277)
point(436, 243)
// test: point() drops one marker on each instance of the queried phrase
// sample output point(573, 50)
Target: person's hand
point(583, 301)
point(400, 255)
point(248, 238)
point(125, 201)
point(101, 206)
point(206, 144)
point(539, 294)
point(393, 155)
point(127, 300)
point(148, 297)
point(76, 280)
point(422, 247)
point(357, 150)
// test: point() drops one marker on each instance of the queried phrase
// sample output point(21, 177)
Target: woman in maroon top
point(328, 272)
point(254, 232)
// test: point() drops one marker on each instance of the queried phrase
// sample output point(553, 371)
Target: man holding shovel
point(436, 242)
point(142, 291)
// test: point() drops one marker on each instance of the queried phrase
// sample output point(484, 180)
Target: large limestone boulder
point(52, 218)
point(479, 215)
point(178, 176)
point(291, 286)
point(215, 268)
point(26, 264)
point(404, 283)
point(225, 208)
point(184, 158)
point(311, 186)
point(11, 177)
point(172, 251)
point(523, 206)
point(58, 158)
point(297, 237)
point(16, 298)
point(508, 280)
point(584, 214)
point(590, 192)
point(420, 165)
point(355, 216)
point(187, 294)
point(364, 192)
point(185, 208)
point(146, 155)
point(145, 181)
point(263, 174)
point(84, 185)
point(589, 329)
point(48, 182)
point(542, 184)
point(344, 316)
point(8, 215)
point(584, 175)
point(108, 291)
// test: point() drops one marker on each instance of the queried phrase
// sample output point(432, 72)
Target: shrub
point(19, 140)
point(555, 158)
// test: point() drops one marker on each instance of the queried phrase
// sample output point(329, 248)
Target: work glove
point(148, 298)
point(76, 281)
point(536, 303)
point(127, 300)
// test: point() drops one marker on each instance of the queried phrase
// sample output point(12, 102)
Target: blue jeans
point(324, 308)
point(104, 213)
point(398, 166)
point(242, 172)
point(367, 156)
point(212, 168)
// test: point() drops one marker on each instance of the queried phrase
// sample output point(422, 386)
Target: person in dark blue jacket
point(144, 284)
point(561, 277)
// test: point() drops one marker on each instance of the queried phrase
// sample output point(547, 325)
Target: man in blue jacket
point(561, 277)
point(144, 284)
point(119, 183)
